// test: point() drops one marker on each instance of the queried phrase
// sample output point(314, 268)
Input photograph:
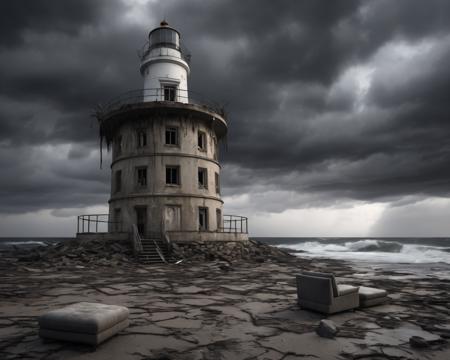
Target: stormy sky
point(339, 111)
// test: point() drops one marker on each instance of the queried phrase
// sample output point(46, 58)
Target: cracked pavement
point(207, 311)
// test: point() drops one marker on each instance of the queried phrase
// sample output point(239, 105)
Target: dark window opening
point(118, 181)
point(170, 93)
point(142, 138)
point(173, 175)
point(216, 151)
point(203, 219)
point(117, 220)
point(202, 178)
point(141, 175)
point(217, 183)
point(171, 136)
point(201, 141)
point(219, 219)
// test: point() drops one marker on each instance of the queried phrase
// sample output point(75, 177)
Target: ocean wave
point(373, 250)
point(374, 245)
point(20, 243)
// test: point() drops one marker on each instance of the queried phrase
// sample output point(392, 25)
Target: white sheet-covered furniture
point(89, 323)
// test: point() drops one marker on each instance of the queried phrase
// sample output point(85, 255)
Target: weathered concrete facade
point(157, 196)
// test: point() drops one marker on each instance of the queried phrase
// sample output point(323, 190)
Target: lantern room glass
point(165, 37)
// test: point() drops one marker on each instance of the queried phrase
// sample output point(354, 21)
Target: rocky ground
point(219, 309)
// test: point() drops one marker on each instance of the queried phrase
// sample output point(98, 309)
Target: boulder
point(418, 342)
point(327, 329)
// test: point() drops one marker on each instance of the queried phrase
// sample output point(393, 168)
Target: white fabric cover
point(91, 339)
point(84, 317)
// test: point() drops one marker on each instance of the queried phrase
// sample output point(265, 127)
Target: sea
point(29, 242)
point(384, 250)
point(424, 256)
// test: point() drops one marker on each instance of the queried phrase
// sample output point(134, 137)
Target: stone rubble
point(114, 253)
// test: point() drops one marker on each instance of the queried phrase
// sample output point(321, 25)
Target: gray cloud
point(301, 122)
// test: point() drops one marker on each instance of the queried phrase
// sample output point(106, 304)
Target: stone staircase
point(149, 253)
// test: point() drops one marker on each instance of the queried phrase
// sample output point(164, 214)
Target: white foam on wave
point(372, 250)
point(24, 243)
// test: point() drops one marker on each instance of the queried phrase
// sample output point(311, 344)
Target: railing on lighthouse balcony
point(164, 50)
point(234, 224)
point(97, 223)
point(164, 94)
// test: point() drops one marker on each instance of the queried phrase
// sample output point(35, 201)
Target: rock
point(163, 356)
point(225, 267)
point(327, 329)
point(418, 342)
point(29, 257)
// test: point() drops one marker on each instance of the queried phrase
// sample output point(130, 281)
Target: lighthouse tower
point(165, 152)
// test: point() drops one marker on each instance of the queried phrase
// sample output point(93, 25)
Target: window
point(117, 220)
point(219, 219)
point(216, 150)
point(118, 146)
point(141, 176)
point(172, 175)
point(217, 183)
point(171, 135)
point(203, 219)
point(141, 138)
point(202, 178)
point(118, 181)
point(201, 141)
point(170, 92)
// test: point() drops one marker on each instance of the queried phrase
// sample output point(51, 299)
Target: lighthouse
point(165, 170)
point(165, 67)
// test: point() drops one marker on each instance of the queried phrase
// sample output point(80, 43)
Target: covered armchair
point(319, 291)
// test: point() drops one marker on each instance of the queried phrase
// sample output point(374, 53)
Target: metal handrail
point(138, 96)
point(138, 247)
point(84, 223)
point(234, 224)
point(158, 250)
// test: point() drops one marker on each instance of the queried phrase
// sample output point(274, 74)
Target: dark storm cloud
point(284, 71)
point(395, 147)
point(20, 16)
point(43, 178)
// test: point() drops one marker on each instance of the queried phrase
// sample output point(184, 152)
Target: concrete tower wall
point(165, 66)
point(131, 152)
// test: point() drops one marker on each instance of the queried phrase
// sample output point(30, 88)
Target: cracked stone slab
point(198, 302)
point(190, 290)
point(181, 323)
point(165, 315)
point(308, 344)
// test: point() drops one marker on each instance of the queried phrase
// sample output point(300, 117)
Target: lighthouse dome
point(164, 36)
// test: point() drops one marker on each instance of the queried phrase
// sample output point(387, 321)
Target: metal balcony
point(182, 96)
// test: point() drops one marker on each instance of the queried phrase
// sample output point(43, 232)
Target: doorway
point(172, 218)
point(141, 219)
